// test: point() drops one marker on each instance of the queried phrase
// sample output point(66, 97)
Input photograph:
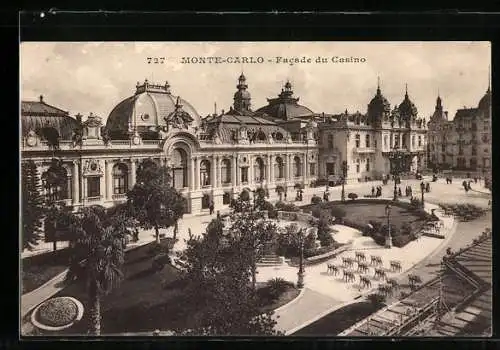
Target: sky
point(84, 77)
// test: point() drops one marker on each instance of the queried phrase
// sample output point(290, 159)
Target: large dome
point(378, 105)
point(407, 108)
point(485, 102)
point(148, 110)
point(285, 106)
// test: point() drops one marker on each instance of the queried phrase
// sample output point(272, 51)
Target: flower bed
point(57, 313)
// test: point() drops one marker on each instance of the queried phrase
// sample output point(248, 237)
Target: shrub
point(157, 248)
point(326, 239)
point(57, 312)
point(401, 240)
point(316, 199)
point(277, 286)
point(310, 241)
point(245, 196)
point(352, 196)
point(286, 207)
point(377, 225)
point(159, 261)
point(406, 229)
point(378, 238)
point(415, 203)
point(319, 251)
point(271, 210)
point(377, 299)
point(338, 213)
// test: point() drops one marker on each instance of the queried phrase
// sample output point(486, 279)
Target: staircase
point(270, 260)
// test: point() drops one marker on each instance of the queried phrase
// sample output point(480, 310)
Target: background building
point(463, 143)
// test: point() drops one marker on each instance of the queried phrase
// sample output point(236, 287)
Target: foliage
point(271, 210)
point(159, 261)
point(488, 182)
point(57, 312)
point(51, 135)
point(289, 241)
point(415, 203)
point(32, 205)
point(240, 205)
point(280, 189)
point(244, 196)
point(406, 229)
point(466, 212)
point(308, 253)
point(218, 277)
point(57, 222)
point(352, 196)
point(153, 201)
point(277, 286)
point(54, 180)
point(377, 299)
point(282, 206)
point(97, 255)
point(260, 198)
point(316, 199)
point(324, 230)
point(338, 213)
point(106, 138)
point(402, 240)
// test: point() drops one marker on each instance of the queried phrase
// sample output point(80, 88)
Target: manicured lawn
point(361, 212)
point(145, 301)
point(339, 320)
point(38, 269)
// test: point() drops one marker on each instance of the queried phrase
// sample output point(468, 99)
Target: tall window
point(259, 170)
point(385, 141)
point(443, 158)
point(93, 186)
point(225, 171)
point(413, 141)
point(57, 182)
point(330, 141)
point(226, 198)
point(391, 142)
point(367, 164)
point(312, 169)
point(473, 163)
point(460, 150)
point(279, 168)
point(205, 172)
point(474, 151)
point(357, 166)
point(297, 166)
point(120, 178)
point(358, 140)
point(443, 148)
point(403, 141)
point(396, 141)
point(244, 175)
point(367, 141)
point(419, 141)
point(205, 201)
point(179, 168)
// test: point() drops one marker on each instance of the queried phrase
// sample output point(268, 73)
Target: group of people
point(467, 185)
point(425, 187)
point(376, 192)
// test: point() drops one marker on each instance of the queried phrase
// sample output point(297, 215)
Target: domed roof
point(37, 116)
point(485, 102)
point(407, 108)
point(285, 106)
point(378, 104)
point(242, 94)
point(149, 109)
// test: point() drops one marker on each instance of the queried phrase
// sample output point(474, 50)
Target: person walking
point(466, 187)
point(428, 187)
point(373, 191)
point(211, 207)
point(400, 194)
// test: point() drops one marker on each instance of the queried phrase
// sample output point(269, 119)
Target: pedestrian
point(470, 188)
point(211, 207)
point(373, 191)
point(399, 192)
point(285, 195)
point(411, 191)
point(466, 188)
point(475, 179)
point(427, 187)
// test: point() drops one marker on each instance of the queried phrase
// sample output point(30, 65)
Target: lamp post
point(300, 281)
point(396, 158)
point(344, 177)
point(388, 240)
point(422, 190)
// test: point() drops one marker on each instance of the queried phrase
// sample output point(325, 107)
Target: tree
point(218, 271)
point(97, 254)
point(32, 204)
point(153, 200)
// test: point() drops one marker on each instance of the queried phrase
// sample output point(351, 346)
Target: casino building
point(218, 156)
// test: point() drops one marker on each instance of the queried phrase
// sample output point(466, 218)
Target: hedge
point(402, 240)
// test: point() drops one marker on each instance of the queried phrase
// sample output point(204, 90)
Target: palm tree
point(97, 256)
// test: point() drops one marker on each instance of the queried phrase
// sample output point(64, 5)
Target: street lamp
point(388, 240)
point(300, 281)
point(344, 177)
point(396, 158)
point(422, 190)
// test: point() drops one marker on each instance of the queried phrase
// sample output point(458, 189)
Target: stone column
point(84, 188)
point(304, 167)
point(109, 179)
point(197, 176)
point(290, 168)
point(234, 174)
point(132, 173)
point(192, 168)
point(251, 169)
point(213, 172)
point(76, 183)
point(219, 172)
point(271, 168)
point(268, 170)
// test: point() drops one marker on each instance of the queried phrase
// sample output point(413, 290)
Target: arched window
point(261, 136)
point(56, 182)
point(367, 164)
point(259, 170)
point(279, 136)
point(297, 166)
point(367, 141)
point(358, 140)
point(120, 178)
point(357, 165)
point(205, 172)
point(179, 168)
point(225, 171)
point(385, 141)
point(279, 168)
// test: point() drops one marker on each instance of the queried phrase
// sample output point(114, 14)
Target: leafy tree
point(324, 230)
point(97, 255)
point(32, 204)
point(218, 274)
point(153, 201)
point(260, 198)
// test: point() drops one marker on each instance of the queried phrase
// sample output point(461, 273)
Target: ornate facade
point(463, 143)
point(218, 156)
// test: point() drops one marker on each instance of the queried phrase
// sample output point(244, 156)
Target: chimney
point(41, 98)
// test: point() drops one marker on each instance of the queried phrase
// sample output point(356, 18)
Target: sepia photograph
point(339, 189)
